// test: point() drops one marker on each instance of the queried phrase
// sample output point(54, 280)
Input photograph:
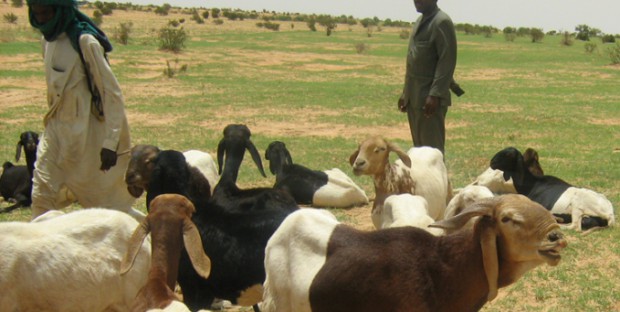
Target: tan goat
point(171, 227)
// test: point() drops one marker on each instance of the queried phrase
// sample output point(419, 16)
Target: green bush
point(97, 17)
point(537, 34)
point(121, 33)
point(17, 3)
point(218, 21)
point(590, 47)
point(361, 48)
point(172, 39)
point(170, 71)
point(404, 34)
point(614, 53)
point(311, 24)
point(608, 39)
point(567, 39)
point(10, 18)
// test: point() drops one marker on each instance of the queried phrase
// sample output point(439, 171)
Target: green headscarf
point(70, 20)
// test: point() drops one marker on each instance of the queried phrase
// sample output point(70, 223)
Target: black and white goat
point(329, 188)
point(16, 181)
point(234, 225)
point(582, 208)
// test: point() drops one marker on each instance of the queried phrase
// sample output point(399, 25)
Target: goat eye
point(506, 219)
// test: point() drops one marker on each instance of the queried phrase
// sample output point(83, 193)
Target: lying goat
point(329, 188)
point(16, 181)
point(583, 208)
point(314, 263)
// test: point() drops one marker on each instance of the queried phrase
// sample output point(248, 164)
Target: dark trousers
point(429, 131)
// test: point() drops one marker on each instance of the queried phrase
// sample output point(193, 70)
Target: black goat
point(582, 208)
point(16, 181)
point(234, 225)
point(330, 188)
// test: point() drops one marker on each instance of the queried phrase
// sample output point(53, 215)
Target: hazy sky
point(546, 14)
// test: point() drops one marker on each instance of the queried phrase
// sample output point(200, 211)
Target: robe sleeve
point(109, 89)
point(445, 43)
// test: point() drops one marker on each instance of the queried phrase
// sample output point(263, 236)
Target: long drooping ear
point(18, 151)
point(488, 243)
point(402, 155)
point(220, 155)
point(193, 245)
point(134, 245)
point(255, 156)
point(353, 156)
point(287, 156)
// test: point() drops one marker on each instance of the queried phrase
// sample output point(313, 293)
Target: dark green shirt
point(431, 59)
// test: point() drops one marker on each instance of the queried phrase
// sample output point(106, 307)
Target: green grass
point(321, 98)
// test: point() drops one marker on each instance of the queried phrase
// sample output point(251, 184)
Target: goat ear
point(195, 250)
point(488, 243)
point(353, 156)
point(402, 155)
point(483, 207)
point(255, 156)
point(287, 157)
point(220, 155)
point(135, 191)
point(18, 151)
point(134, 245)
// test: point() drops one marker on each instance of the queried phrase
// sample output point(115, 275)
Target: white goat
point(421, 171)
point(405, 210)
point(70, 262)
point(493, 179)
point(466, 197)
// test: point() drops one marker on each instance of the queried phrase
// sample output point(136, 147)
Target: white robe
point(68, 155)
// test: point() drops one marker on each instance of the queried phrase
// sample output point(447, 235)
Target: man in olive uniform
point(431, 60)
point(78, 149)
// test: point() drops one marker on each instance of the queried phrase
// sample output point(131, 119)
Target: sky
point(560, 15)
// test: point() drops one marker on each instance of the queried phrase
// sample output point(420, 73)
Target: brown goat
point(170, 225)
point(313, 263)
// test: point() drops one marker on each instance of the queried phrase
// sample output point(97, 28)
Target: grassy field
point(321, 97)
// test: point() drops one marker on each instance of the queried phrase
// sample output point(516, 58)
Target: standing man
point(85, 126)
point(431, 60)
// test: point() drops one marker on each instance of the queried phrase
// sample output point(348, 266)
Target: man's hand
point(108, 159)
point(402, 106)
point(430, 106)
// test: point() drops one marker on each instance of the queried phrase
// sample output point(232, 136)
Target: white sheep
point(405, 210)
point(70, 262)
point(420, 171)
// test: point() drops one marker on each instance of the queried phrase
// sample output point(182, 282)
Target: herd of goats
point(434, 248)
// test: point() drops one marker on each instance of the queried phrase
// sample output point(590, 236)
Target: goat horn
point(194, 248)
point(134, 245)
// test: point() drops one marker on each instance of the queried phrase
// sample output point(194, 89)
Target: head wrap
point(69, 19)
